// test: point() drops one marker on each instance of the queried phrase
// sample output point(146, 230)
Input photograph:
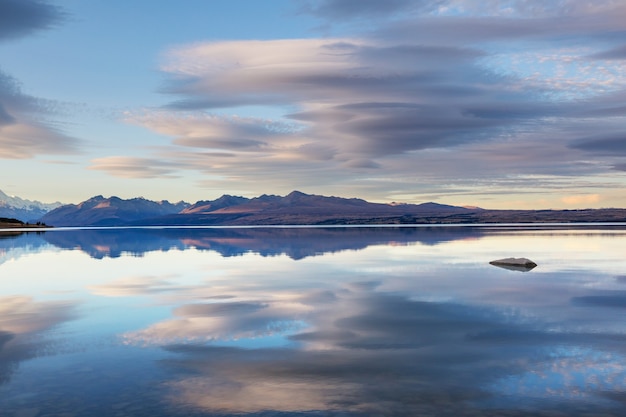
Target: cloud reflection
point(393, 330)
point(366, 351)
point(133, 286)
point(23, 322)
point(221, 321)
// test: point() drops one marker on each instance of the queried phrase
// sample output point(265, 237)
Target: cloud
point(12, 99)
point(605, 145)
point(349, 9)
point(471, 84)
point(620, 167)
point(25, 126)
point(25, 140)
point(338, 10)
point(478, 29)
point(614, 53)
point(215, 132)
point(231, 147)
point(359, 98)
point(231, 73)
point(5, 117)
point(309, 71)
point(22, 17)
point(576, 200)
point(134, 167)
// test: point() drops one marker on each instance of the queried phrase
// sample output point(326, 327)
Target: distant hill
point(212, 205)
point(24, 210)
point(298, 208)
point(113, 211)
point(294, 208)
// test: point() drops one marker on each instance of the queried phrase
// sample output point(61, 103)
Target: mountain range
point(113, 211)
point(296, 208)
point(25, 210)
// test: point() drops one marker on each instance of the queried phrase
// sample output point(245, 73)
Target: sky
point(490, 103)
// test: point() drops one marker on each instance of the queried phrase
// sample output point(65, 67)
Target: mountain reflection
point(296, 243)
point(15, 244)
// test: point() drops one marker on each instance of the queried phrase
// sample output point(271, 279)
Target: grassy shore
point(8, 223)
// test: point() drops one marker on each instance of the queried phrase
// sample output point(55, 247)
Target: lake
point(340, 321)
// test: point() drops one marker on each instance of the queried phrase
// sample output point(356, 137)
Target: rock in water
point(515, 264)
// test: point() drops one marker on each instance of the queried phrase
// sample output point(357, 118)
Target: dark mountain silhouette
point(113, 211)
point(294, 208)
point(298, 208)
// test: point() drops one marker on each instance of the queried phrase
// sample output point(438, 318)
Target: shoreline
point(535, 225)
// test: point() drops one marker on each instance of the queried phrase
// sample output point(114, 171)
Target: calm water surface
point(313, 321)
